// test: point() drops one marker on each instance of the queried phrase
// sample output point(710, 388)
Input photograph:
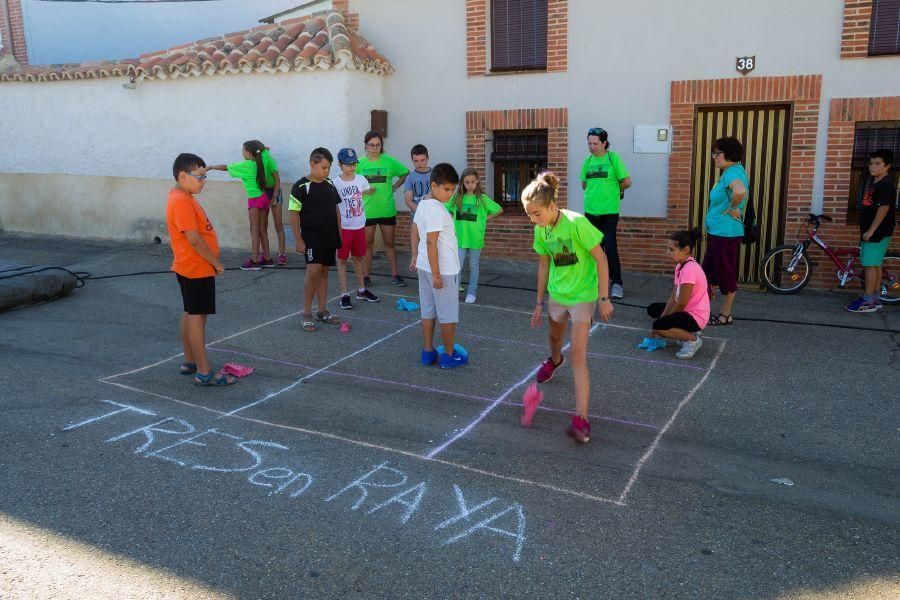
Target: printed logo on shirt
point(600, 173)
point(464, 215)
point(351, 196)
point(562, 253)
point(867, 196)
point(419, 190)
point(376, 177)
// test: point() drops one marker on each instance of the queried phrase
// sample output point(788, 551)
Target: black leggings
point(679, 320)
point(607, 225)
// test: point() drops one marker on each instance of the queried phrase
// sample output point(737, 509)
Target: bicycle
point(786, 269)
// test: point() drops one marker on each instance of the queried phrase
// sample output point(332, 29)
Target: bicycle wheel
point(784, 271)
point(890, 279)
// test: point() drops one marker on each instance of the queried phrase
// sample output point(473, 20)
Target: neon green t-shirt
point(380, 174)
point(602, 175)
point(246, 172)
point(270, 166)
point(573, 271)
point(471, 219)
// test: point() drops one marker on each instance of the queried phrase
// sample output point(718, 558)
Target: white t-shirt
point(432, 216)
point(353, 216)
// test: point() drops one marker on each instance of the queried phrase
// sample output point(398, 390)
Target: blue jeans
point(474, 260)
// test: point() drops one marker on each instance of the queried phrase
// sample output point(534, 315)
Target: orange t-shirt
point(184, 213)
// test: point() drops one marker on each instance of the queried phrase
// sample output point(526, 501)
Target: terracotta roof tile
point(318, 41)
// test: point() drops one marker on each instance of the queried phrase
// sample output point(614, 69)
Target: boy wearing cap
point(351, 188)
point(604, 180)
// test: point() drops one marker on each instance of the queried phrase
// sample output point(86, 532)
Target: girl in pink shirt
point(687, 310)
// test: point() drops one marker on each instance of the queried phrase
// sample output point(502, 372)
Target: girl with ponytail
point(572, 268)
point(252, 173)
point(686, 312)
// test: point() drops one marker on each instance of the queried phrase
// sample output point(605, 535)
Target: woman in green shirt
point(604, 180)
point(573, 269)
point(381, 170)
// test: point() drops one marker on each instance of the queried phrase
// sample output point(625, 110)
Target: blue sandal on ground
point(188, 368)
point(217, 380)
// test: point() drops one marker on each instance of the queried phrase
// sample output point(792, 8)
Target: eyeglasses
point(598, 131)
point(197, 177)
point(717, 153)
point(371, 145)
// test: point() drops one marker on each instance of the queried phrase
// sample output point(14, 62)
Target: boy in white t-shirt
point(351, 188)
point(435, 255)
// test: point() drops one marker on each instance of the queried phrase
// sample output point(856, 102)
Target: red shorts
point(353, 241)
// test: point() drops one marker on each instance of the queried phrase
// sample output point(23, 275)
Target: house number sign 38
point(745, 64)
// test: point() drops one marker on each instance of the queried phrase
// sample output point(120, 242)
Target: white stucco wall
point(107, 140)
point(622, 58)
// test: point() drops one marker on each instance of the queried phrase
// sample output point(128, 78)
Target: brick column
point(12, 28)
point(857, 25)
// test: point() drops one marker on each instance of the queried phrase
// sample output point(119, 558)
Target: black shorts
point(390, 221)
point(317, 255)
point(679, 320)
point(198, 295)
point(277, 197)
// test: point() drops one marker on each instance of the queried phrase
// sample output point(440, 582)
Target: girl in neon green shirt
point(471, 209)
point(573, 269)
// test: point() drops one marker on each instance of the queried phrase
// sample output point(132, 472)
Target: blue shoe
point(452, 361)
point(429, 357)
point(861, 306)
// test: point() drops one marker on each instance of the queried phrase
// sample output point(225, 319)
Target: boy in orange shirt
point(196, 264)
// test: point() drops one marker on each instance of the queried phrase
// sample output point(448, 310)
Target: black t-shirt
point(318, 217)
point(881, 193)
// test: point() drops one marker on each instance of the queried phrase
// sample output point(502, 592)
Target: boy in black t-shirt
point(315, 219)
point(876, 226)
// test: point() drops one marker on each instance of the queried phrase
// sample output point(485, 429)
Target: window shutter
point(884, 35)
point(869, 140)
point(518, 35)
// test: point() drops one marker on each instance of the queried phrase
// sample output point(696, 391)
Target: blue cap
point(347, 156)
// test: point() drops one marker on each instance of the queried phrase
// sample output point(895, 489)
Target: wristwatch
point(603, 299)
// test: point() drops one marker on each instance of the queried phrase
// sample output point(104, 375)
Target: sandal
point(327, 317)
point(188, 368)
point(720, 319)
point(308, 325)
point(217, 380)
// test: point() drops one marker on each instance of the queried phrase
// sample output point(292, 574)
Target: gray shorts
point(442, 303)
point(580, 313)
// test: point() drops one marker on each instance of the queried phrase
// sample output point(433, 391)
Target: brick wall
point(343, 7)
point(857, 25)
point(12, 28)
point(641, 239)
point(477, 22)
point(843, 115)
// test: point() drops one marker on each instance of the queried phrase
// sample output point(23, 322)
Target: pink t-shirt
point(698, 304)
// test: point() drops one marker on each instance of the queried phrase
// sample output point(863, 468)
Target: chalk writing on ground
point(384, 491)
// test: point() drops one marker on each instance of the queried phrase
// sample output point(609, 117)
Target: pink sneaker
point(545, 373)
point(530, 402)
point(580, 429)
point(282, 260)
point(250, 265)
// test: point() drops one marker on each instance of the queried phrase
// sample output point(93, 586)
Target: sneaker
point(861, 306)
point(282, 260)
point(878, 304)
point(689, 349)
point(449, 361)
point(345, 302)
point(470, 299)
point(367, 281)
point(545, 373)
point(616, 291)
point(580, 429)
point(429, 357)
point(367, 296)
point(398, 281)
point(267, 262)
point(250, 265)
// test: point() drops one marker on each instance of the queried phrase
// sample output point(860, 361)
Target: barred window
point(869, 137)
point(518, 156)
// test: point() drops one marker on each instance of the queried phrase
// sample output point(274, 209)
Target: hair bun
point(549, 179)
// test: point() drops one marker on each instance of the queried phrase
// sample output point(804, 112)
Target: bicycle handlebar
point(819, 218)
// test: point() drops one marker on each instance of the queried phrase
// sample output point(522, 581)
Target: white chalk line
point(233, 335)
point(371, 446)
point(525, 312)
point(495, 404)
point(640, 464)
point(325, 368)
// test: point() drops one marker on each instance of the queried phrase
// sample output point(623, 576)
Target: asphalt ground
point(342, 469)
